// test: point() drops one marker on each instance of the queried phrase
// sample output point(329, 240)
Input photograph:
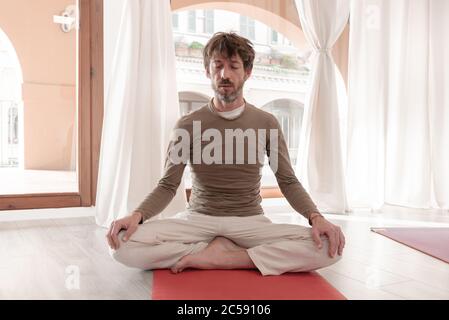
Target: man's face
point(227, 76)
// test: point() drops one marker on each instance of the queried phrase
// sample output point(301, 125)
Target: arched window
point(289, 114)
point(10, 104)
point(191, 101)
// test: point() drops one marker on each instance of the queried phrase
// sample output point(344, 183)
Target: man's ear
point(207, 73)
point(248, 73)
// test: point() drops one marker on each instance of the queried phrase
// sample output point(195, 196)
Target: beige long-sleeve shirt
point(220, 188)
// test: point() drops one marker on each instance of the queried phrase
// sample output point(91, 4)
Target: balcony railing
point(9, 138)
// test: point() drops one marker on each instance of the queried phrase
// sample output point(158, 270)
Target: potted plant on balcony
point(262, 59)
point(289, 62)
point(181, 48)
point(275, 57)
point(196, 49)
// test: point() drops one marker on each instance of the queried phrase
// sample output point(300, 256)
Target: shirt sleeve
point(166, 188)
point(279, 160)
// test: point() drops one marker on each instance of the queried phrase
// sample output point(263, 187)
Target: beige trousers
point(274, 248)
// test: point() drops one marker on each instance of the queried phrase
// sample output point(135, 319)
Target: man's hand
point(336, 238)
point(128, 223)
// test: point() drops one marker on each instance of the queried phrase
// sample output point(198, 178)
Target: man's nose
point(224, 73)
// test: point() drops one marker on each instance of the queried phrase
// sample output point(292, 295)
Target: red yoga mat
point(192, 284)
point(431, 241)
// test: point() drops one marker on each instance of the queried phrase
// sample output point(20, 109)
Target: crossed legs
point(205, 242)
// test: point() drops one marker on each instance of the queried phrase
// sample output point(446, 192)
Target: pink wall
point(48, 60)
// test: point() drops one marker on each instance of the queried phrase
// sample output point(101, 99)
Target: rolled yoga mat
point(192, 284)
point(431, 241)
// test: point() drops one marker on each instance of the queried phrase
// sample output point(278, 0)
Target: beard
point(228, 96)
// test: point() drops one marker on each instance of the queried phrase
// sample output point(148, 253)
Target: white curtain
point(320, 166)
point(141, 108)
point(398, 114)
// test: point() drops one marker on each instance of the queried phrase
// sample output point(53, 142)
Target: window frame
point(175, 17)
point(209, 21)
point(191, 15)
point(272, 38)
point(247, 27)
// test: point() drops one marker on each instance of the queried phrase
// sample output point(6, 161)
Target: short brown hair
point(229, 44)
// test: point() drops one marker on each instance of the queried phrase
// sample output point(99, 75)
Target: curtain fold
point(141, 109)
point(320, 166)
point(438, 99)
point(398, 113)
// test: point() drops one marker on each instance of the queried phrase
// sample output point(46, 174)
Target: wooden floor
point(41, 259)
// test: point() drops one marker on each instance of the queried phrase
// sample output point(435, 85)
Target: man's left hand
point(336, 238)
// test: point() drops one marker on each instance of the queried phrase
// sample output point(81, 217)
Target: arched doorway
point(191, 101)
point(11, 106)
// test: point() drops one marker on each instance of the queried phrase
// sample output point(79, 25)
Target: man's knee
point(124, 254)
point(324, 259)
point(136, 255)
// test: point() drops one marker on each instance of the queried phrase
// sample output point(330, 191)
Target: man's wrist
point(314, 216)
point(138, 216)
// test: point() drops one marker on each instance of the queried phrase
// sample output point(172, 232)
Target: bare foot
point(221, 253)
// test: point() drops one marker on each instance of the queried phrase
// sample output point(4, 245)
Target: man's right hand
point(128, 223)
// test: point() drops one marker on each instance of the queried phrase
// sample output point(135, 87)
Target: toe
point(179, 266)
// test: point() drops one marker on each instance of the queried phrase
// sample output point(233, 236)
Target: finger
point(114, 235)
point(108, 237)
point(336, 243)
point(342, 243)
point(129, 232)
point(332, 243)
point(316, 238)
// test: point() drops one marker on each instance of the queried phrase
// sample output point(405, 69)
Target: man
point(224, 226)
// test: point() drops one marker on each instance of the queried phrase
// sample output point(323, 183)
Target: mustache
point(225, 83)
